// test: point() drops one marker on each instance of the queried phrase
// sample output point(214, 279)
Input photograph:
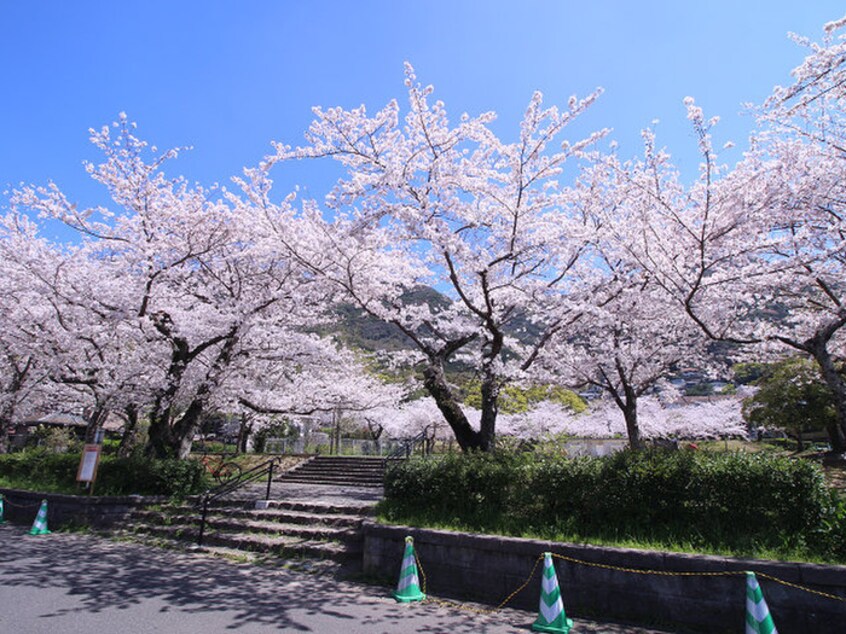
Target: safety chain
point(798, 587)
point(637, 571)
point(468, 608)
point(725, 573)
point(19, 506)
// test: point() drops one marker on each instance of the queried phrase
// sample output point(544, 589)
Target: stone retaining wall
point(73, 510)
point(488, 569)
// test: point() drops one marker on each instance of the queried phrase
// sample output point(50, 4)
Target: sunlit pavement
point(77, 583)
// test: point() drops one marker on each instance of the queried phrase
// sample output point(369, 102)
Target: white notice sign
point(88, 464)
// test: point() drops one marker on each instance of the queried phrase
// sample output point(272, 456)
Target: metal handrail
point(230, 486)
point(408, 446)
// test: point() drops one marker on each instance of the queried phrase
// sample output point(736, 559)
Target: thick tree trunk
point(160, 442)
point(127, 441)
point(189, 423)
point(244, 431)
point(164, 441)
point(632, 427)
point(832, 378)
point(5, 430)
point(7, 415)
point(833, 432)
point(95, 422)
point(435, 382)
point(6, 426)
point(490, 409)
point(185, 428)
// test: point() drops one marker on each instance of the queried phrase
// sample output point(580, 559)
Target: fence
point(347, 447)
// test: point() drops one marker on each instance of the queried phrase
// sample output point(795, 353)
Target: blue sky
point(229, 77)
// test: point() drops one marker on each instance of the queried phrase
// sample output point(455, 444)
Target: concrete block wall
point(72, 510)
point(489, 568)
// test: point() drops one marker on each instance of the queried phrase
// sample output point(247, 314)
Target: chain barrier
point(470, 608)
point(21, 506)
point(724, 573)
point(637, 571)
point(764, 575)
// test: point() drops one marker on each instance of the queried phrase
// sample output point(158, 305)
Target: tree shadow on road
point(107, 575)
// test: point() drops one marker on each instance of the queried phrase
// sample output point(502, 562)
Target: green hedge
point(738, 501)
point(115, 476)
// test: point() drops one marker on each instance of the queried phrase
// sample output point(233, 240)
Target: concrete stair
point(286, 530)
point(338, 470)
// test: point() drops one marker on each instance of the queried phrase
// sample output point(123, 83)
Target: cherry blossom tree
point(754, 254)
point(803, 138)
point(193, 278)
point(634, 335)
point(718, 417)
point(425, 201)
point(308, 376)
point(24, 360)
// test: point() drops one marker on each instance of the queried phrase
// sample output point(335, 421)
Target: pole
point(203, 520)
point(269, 478)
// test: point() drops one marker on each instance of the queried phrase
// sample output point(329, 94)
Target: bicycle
point(220, 469)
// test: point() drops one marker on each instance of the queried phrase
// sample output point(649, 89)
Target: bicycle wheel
point(227, 471)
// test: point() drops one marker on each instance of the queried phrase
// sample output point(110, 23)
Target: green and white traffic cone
point(408, 588)
point(39, 526)
point(2, 509)
point(758, 619)
point(551, 615)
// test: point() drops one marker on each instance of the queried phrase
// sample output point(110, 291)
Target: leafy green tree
point(517, 400)
point(793, 396)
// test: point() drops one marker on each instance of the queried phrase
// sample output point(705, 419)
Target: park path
point(78, 583)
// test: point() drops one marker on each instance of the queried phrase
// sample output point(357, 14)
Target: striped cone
point(39, 526)
point(408, 588)
point(551, 616)
point(758, 619)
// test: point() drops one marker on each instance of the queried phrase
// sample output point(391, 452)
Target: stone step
point(340, 466)
point(295, 517)
point(295, 479)
point(284, 546)
point(359, 509)
point(332, 508)
point(350, 459)
point(234, 524)
point(316, 468)
point(332, 473)
point(330, 476)
point(310, 514)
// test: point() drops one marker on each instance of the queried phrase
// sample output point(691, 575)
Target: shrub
point(116, 476)
point(135, 475)
point(739, 501)
point(472, 489)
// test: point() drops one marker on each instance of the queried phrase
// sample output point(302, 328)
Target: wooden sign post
point(87, 471)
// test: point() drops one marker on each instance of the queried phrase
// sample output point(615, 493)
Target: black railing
point(230, 486)
point(408, 446)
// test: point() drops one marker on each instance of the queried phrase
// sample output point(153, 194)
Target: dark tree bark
point(818, 347)
point(435, 382)
point(244, 431)
point(130, 429)
point(7, 414)
point(173, 439)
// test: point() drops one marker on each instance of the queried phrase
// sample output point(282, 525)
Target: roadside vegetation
point(738, 503)
point(43, 470)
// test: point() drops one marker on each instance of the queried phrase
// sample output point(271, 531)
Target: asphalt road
point(84, 584)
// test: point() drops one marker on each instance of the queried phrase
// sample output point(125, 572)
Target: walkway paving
point(80, 584)
point(325, 493)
